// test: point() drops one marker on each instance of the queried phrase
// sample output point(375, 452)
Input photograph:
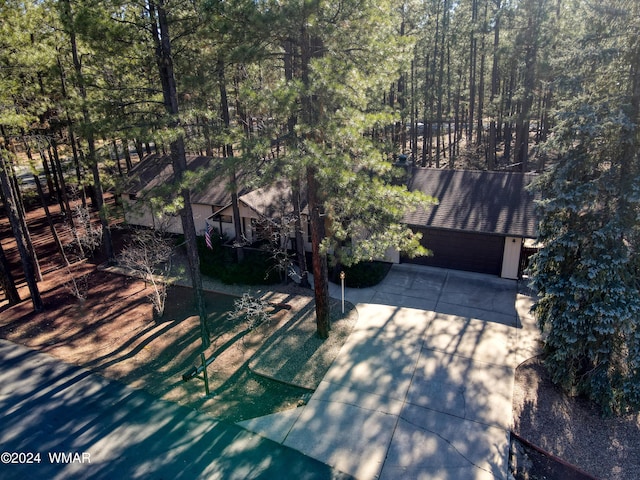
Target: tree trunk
point(72, 138)
point(107, 244)
point(311, 108)
point(425, 113)
point(45, 206)
point(52, 180)
point(300, 234)
point(480, 114)
point(7, 282)
point(52, 227)
point(320, 270)
point(228, 153)
point(22, 217)
point(179, 161)
point(55, 161)
point(117, 156)
point(25, 257)
point(473, 53)
point(508, 126)
point(530, 45)
point(139, 149)
point(495, 86)
point(127, 154)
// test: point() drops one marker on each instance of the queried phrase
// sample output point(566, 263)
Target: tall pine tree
point(587, 270)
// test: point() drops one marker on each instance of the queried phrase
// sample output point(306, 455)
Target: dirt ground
point(571, 429)
point(115, 334)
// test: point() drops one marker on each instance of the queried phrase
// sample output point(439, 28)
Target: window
point(220, 217)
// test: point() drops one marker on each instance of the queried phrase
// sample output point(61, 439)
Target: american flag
point(207, 237)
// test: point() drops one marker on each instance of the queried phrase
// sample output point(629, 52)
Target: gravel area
point(572, 428)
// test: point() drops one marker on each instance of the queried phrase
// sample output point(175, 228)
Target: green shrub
point(220, 262)
point(362, 274)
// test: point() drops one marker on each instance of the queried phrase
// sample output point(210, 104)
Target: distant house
point(481, 222)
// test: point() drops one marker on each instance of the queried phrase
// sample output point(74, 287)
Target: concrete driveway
point(422, 389)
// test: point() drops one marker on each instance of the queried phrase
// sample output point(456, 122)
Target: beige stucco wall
point(136, 213)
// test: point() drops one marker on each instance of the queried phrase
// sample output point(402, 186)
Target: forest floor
point(571, 429)
point(114, 333)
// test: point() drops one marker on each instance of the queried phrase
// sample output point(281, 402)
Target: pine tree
point(339, 68)
point(587, 271)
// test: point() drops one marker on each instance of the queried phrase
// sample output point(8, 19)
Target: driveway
point(423, 386)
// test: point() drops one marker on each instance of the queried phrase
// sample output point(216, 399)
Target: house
point(272, 201)
point(481, 222)
point(150, 178)
point(210, 201)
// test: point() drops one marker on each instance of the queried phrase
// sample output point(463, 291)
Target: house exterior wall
point(246, 215)
point(228, 228)
point(200, 214)
point(392, 256)
point(511, 257)
point(137, 213)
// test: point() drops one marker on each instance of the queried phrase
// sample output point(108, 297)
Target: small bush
point(362, 274)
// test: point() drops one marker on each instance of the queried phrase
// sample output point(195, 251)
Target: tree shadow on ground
point(47, 407)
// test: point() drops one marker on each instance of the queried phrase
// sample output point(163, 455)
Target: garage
point(472, 252)
point(479, 223)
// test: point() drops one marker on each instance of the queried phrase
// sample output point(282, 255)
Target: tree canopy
point(328, 96)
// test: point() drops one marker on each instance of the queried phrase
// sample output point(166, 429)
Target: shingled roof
point(156, 170)
point(475, 201)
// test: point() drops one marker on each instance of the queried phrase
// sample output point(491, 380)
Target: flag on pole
point(207, 237)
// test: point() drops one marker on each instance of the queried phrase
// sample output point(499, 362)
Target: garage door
point(472, 252)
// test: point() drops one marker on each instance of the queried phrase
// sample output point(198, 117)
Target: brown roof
point(156, 170)
point(272, 201)
point(475, 201)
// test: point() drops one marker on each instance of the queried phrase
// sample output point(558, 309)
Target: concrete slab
point(405, 300)
point(484, 341)
point(477, 313)
point(399, 278)
point(375, 366)
point(490, 297)
point(422, 388)
point(276, 426)
point(463, 387)
point(346, 436)
point(432, 445)
point(390, 323)
point(331, 392)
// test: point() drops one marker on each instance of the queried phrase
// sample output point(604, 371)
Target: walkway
point(423, 386)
